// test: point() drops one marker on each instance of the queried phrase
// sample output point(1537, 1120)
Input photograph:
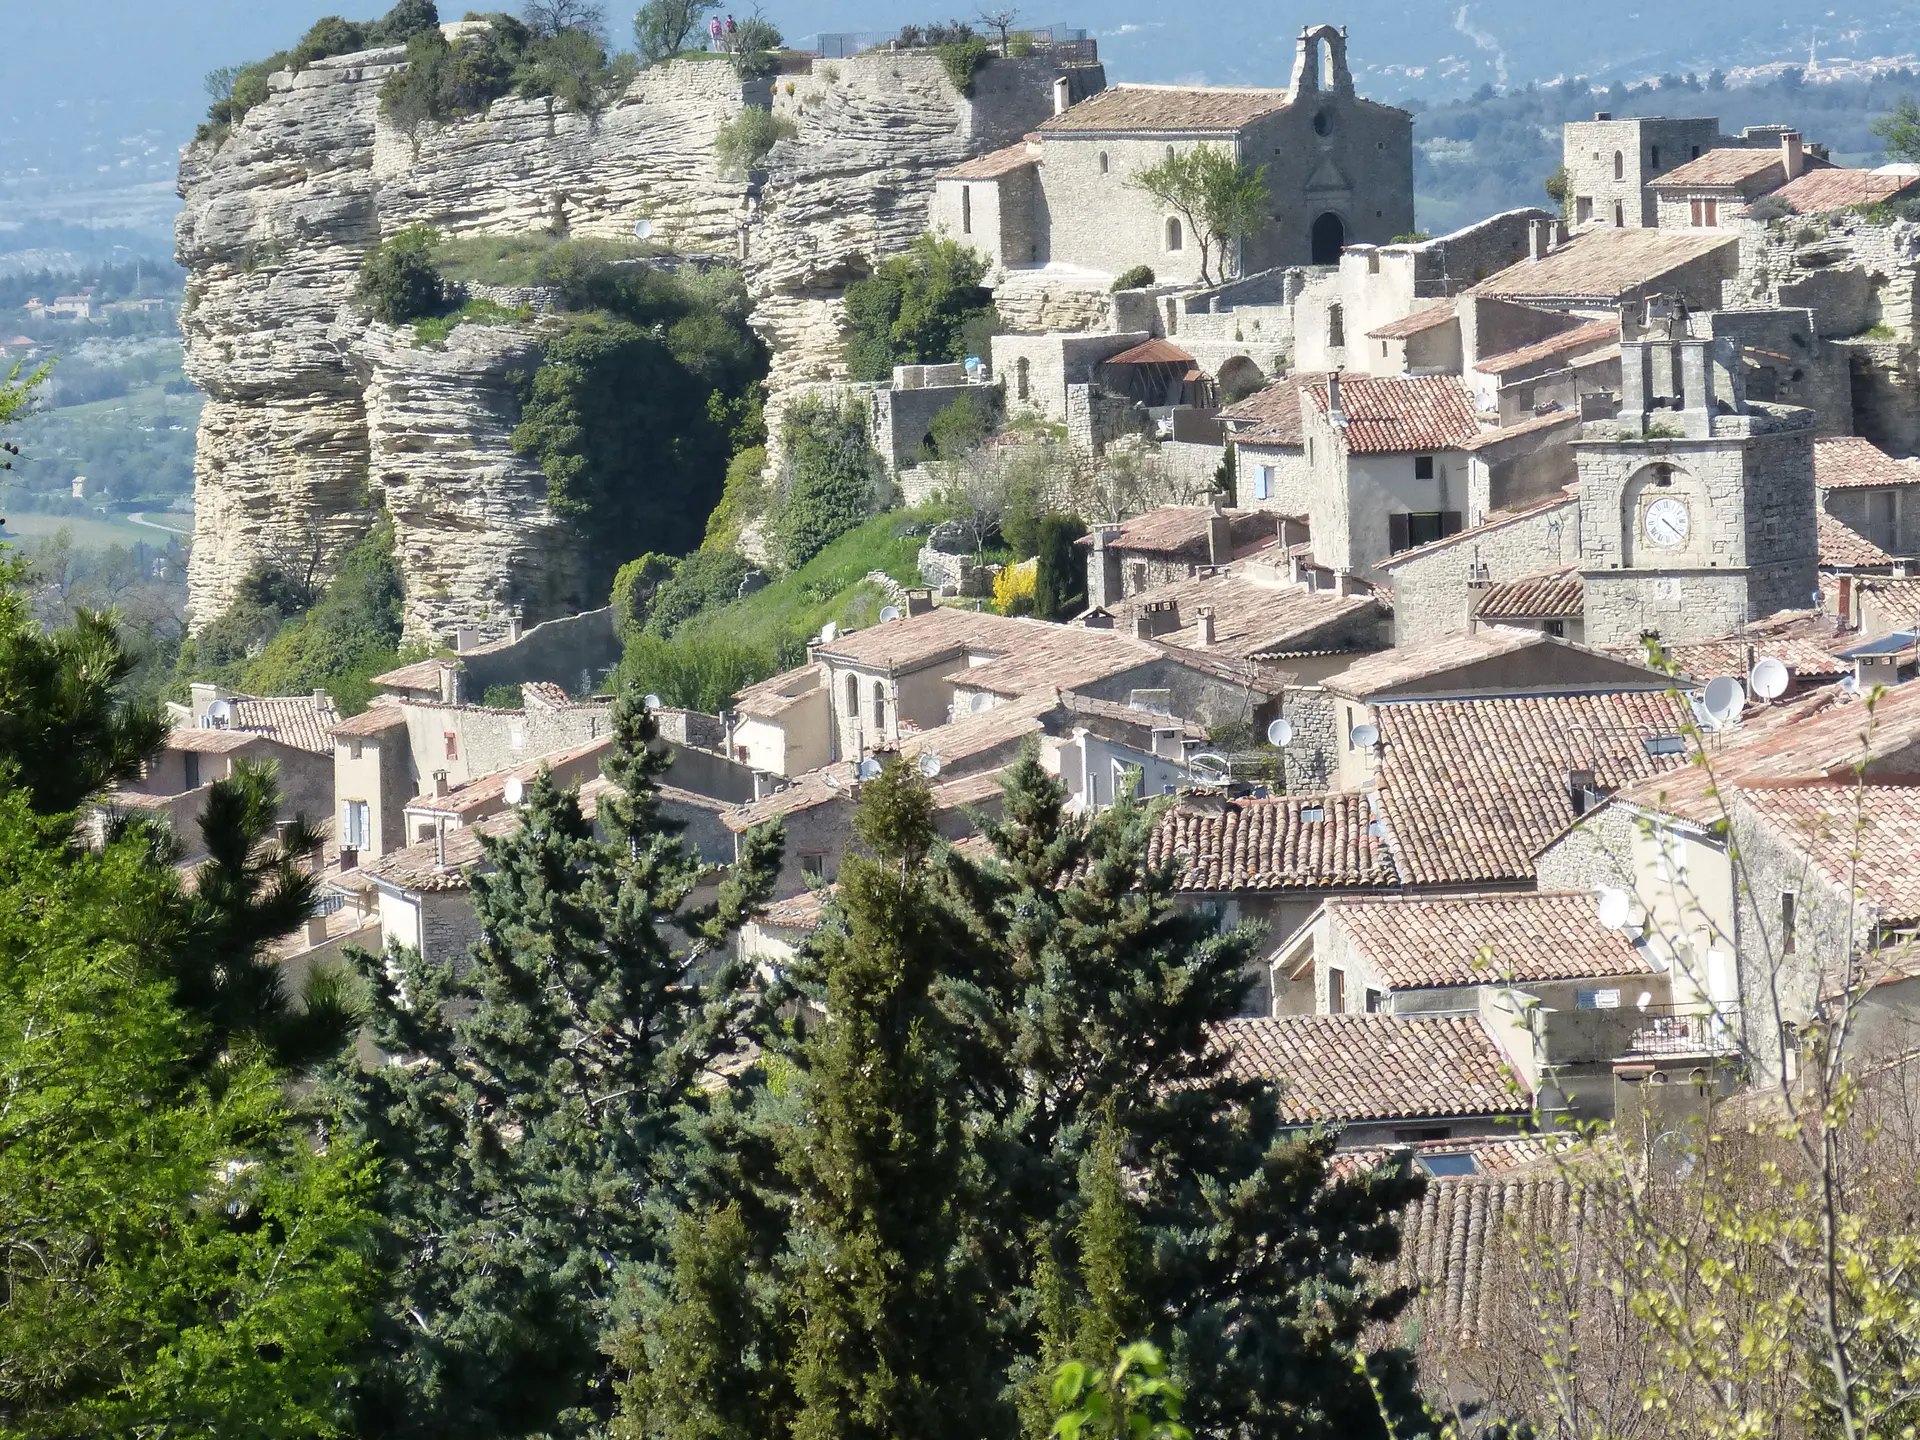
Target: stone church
point(1339, 171)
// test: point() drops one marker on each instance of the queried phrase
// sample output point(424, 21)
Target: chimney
point(449, 685)
point(349, 859)
point(1293, 531)
point(513, 630)
point(1336, 413)
point(440, 787)
point(1205, 626)
point(1219, 537)
point(1540, 239)
point(440, 846)
point(316, 930)
point(1062, 95)
point(1844, 612)
point(1347, 583)
point(919, 602)
point(1792, 153)
point(1142, 626)
point(464, 639)
point(1603, 114)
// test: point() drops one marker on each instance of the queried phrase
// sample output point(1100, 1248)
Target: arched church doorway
point(1328, 236)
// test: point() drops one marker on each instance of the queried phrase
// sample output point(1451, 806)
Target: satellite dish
point(889, 612)
point(1726, 697)
point(1769, 678)
point(828, 632)
point(1614, 906)
point(1365, 737)
point(980, 703)
point(643, 229)
point(516, 790)
point(1671, 1154)
point(220, 714)
point(869, 769)
point(929, 764)
point(651, 700)
point(1279, 732)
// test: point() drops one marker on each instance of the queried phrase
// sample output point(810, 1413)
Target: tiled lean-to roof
point(1374, 1067)
point(1864, 839)
point(1271, 416)
point(1558, 595)
point(991, 166)
point(1718, 167)
point(1818, 191)
point(1602, 265)
point(1419, 942)
point(1287, 842)
point(1471, 789)
point(1397, 414)
point(1428, 317)
point(1842, 545)
point(1847, 462)
point(1166, 107)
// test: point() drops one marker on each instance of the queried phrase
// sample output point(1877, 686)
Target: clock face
point(1666, 522)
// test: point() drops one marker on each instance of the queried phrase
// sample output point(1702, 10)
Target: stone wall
point(563, 651)
point(1598, 851)
point(1430, 587)
point(1309, 757)
point(1884, 377)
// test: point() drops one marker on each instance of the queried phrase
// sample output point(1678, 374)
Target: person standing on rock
point(713, 33)
point(733, 39)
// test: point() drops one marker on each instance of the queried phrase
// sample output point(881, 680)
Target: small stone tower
point(1697, 509)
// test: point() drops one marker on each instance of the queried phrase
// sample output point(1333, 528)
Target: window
point(1336, 326)
point(355, 830)
point(853, 700)
point(1405, 531)
point(1349, 727)
point(1421, 1134)
point(1373, 268)
point(190, 769)
point(1653, 157)
point(1696, 153)
point(1263, 482)
point(1883, 518)
point(814, 866)
point(355, 749)
point(1423, 467)
point(453, 745)
point(1376, 1001)
point(1596, 999)
point(1789, 914)
point(1383, 349)
point(879, 708)
point(1023, 384)
point(1136, 576)
point(1705, 214)
point(1657, 745)
point(1619, 165)
point(1583, 209)
point(1174, 238)
point(1619, 215)
point(1313, 814)
point(1170, 152)
point(1103, 162)
point(1555, 628)
point(1452, 1165)
point(966, 209)
point(1336, 992)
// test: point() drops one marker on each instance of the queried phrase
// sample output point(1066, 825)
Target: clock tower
point(1697, 509)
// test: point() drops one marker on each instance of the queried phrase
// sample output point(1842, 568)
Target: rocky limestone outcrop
point(315, 418)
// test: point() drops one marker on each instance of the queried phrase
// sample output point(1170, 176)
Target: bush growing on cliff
point(447, 80)
point(743, 499)
point(964, 59)
point(398, 279)
point(742, 143)
point(833, 481)
point(705, 580)
point(921, 308)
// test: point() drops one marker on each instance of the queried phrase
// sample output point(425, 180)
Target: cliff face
point(314, 416)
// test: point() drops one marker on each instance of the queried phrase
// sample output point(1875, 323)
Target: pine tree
point(530, 1137)
point(889, 1308)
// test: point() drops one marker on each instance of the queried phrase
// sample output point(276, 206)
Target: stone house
point(175, 781)
point(1383, 1079)
point(1168, 543)
point(1554, 603)
point(373, 778)
point(1608, 163)
point(1699, 193)
point(1339, 170)
point(448, 808)
point(1387, 465)
point(784, 725)
point(1597, 271)
point(1869, 492)
point(1550, 373)
point(1269, 447)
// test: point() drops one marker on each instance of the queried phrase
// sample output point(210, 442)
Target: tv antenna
point(1769, 678)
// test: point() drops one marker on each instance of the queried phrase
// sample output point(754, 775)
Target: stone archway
point(1239, 377)
point(1329, 237)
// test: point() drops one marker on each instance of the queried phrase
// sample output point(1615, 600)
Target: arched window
point(1103, 162)
point(1022, 384)
point(879, 709)
point(1619, 215)
point(1175, 239)
point(1336, 326)
point(1619, 165)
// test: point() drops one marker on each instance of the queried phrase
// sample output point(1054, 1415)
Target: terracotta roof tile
point(1048, 657)
point(1151, 352)
point(775, 695)
point(1603, 265)
point(421, 675)
point(1392, 414)
point(375, 719)
point(1463, 1242)
point(1471, 789)
point(1427, 317)
point(1863, 840)
point(1532, 425)
point(1491, 1155)
point(1181, 531)
point(570, 765)
point(991, 166)
point(1416, 942)
point(1166, 107)
point(1374, 1067)
point(1841, 544)
point(1288, 842)
point(1817, 191)
point(1271, 416)
point(210, 742)
point(1557, 595)
point(1567, 342)
point(1249, 618)
point(944, 631)
point(1389, 669)
point(1719, 167)
point(1847, 462)
point(1805, 642)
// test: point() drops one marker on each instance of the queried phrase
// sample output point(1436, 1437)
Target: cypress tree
point(529, 1122)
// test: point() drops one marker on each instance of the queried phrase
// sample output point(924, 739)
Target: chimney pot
point(1219, 537)
point(440, 786)
point(1205, 625)
point(1336, 412)
point(513, 629)
point(1792, 154)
